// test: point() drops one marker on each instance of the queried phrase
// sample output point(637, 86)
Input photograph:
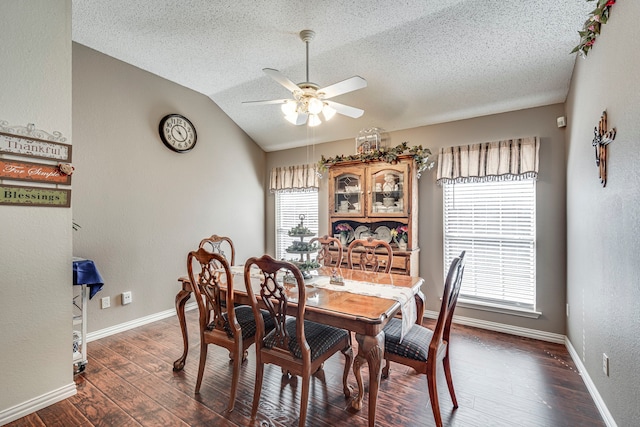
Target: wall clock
point(177, 133)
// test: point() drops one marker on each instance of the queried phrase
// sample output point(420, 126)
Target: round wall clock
point(177, 133)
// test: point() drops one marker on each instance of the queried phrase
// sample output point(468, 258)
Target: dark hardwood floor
point(500, 380)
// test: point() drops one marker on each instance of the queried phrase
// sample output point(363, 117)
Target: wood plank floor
point(500, 380)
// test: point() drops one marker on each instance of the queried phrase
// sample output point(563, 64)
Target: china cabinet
point(377, 199)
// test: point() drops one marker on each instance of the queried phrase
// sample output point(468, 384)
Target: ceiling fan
point(308, 99)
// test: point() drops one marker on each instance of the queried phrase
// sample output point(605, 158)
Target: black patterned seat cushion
point(244, 316)
point(320, 338)
point(415, 344)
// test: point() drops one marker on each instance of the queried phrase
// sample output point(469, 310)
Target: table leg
point(371, 350)
point(181, 300)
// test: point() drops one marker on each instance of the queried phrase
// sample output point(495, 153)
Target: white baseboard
point(102, 333)
point(593, 391)
point(543, 336)
point(500, 327)
point(37, 403)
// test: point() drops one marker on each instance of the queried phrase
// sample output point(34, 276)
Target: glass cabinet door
point(388, 195)
point(347, 194)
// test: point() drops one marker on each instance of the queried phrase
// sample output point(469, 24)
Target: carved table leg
point(371, 349)
point(181, 300)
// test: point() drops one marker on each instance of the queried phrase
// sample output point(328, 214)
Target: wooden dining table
point(366, 315)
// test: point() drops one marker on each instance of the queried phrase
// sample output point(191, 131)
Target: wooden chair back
point(325, 256)
point(367, 259)
point(221, 245)
point(286, 345)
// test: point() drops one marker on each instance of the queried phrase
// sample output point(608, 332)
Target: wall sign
point(32, 172)
point(34, 196)
point(32, 147)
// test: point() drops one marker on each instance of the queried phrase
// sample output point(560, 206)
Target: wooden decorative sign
point(34, 196)
point(32, 172)
point(602, 138)
point(32, 147)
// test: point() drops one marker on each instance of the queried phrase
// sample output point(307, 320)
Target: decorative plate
point(383, 233)
point(359, 230)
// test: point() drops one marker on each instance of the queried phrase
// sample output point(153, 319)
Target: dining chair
point(218, 244)
point(298, 346)
point(212, 283)
point(326, 256)
point(367, 259)
point(422, 348)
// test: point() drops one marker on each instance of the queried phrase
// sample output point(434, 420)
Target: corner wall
point(35, 261)
point(603, 233)
point(143, 207)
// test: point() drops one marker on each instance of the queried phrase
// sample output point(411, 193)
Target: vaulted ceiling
point(425, 61)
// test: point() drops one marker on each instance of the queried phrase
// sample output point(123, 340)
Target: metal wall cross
point(602, 138)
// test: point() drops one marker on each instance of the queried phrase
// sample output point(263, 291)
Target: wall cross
point(602, 138)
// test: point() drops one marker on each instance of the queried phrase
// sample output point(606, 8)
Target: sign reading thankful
point(34, 196)
point(33, 172)
point(31, 147)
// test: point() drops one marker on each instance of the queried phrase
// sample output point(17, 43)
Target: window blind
point(289, 207)
point(495, 223)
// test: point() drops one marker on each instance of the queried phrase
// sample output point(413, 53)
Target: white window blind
point(495, 223)
point(289, 207)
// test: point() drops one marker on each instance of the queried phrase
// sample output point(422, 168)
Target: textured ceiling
point(425, 61)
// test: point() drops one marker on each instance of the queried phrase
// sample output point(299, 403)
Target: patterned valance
point(294, 178)
point(489, 161)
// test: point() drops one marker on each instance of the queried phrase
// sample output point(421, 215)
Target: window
point(495, 223)
point(289, 207)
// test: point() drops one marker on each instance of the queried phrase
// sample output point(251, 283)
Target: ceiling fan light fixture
point(314, 120)
point(314, 106)
point(328, 112)
point(289, 108)
point(292, 118)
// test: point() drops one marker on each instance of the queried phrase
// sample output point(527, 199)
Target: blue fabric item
point(86, 273)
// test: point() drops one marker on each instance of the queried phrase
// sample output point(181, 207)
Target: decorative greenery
point(389, 155)
point(592, 26)
point(400, 233)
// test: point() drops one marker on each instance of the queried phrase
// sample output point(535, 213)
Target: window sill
point(514, 311)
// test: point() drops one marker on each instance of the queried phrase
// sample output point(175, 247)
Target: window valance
point(511, 159)
point(294, 178)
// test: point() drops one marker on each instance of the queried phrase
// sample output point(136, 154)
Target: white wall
point(142, 207)
point(603, 233)
point(35, 261)
point(550, 204)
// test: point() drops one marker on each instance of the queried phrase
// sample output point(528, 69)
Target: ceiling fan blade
point(267, 102)
point(280, 78)
point(348, 85)
point(345, 110)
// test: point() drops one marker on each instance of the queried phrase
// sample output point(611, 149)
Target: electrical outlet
point(126, 297)
point(106, 302)
point(567, 309)
point(605, 364)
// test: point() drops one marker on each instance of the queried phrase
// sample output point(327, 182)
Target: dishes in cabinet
point(360, 230)
point(383, 233)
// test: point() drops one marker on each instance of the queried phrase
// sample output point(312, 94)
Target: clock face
point(177, 133)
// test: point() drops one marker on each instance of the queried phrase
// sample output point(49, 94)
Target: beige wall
point(550, 203)
point(141, 206)
point(35, 265)
point(603, 243)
